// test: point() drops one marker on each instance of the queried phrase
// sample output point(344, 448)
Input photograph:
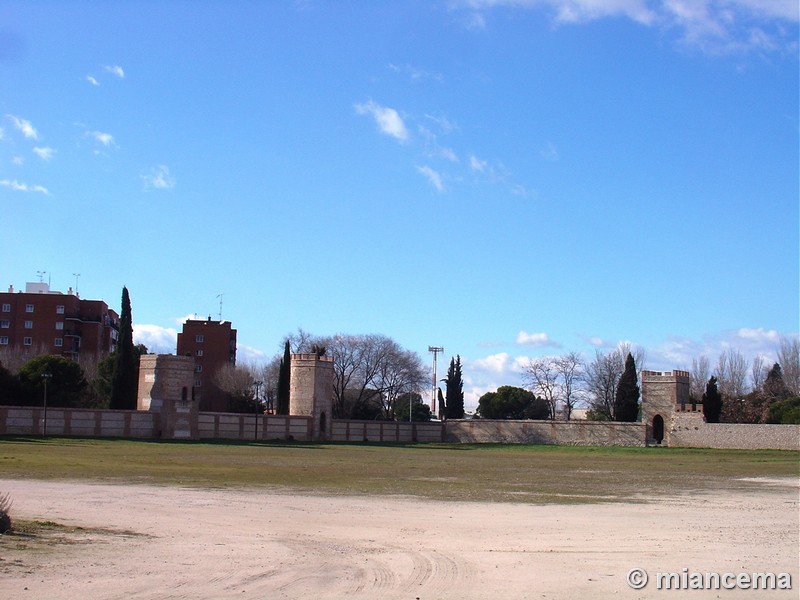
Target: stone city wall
point(565, 433)
point(242, 426)
point(689, 430)
point(386, 431)
point(27, 420)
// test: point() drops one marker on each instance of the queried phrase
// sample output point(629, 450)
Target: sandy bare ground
point(165, 542)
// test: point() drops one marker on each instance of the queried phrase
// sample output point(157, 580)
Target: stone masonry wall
point(689, 430)
point(565, 433)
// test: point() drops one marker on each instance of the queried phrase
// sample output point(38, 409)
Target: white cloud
point(44, 153)
point(115, 70)
point(159, 340)
point(106, 139)
point(759, 335)
point(92, 80)
point(476, 164)
point(432, 176)
point(159, 178)
point(388, 119)
point(17, 161)
point(24, 126)
point(712, 25)
point(24, 187)
point(537, 340)
point(494, 363)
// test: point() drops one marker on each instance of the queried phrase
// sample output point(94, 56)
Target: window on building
point(27, 341)
point(198, 353)
point(198, 368)
point(28, 324)
point(59, 342)
point(29, 308)
point(60, 325)
point(60, 309)
point(3, 340)
point(5, 324)
point(198, 338)
point(6, 308)
point(198, 383)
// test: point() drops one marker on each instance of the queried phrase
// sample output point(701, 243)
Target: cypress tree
point(626, 401)
point(125, 372)
point(712, 402)
point(454, 395)
point(284, 374)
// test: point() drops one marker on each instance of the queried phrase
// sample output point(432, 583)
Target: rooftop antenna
point(220, 305)
point(76, 276)
point(436, 350)
point(41, 275)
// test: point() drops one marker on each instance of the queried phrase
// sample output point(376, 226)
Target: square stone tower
point(165, 387)
point(661, 393)
point(311, 391)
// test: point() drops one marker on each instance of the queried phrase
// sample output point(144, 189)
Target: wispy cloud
point(44, 153)
point(24, 187)
point(388, 120)
point(716, 26)
point(159, 178)
point(92, 80)
point(549, 152)
point(433, 176)
point(106, 139)
point(24, 126)
point(476, 164)
point(115, 70)
point(415, 73)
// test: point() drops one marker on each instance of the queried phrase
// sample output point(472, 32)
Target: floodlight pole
point(436, 350)
point(258, 385)
point(45, 378)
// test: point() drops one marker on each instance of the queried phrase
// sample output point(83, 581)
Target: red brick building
point(213, 345)
point(40, 321)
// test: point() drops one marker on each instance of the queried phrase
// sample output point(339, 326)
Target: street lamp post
point(45, 378)
point(258, 385)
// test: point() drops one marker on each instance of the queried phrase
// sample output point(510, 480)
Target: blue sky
point(504, 178)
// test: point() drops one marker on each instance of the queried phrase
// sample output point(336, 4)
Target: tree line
point(734, 391)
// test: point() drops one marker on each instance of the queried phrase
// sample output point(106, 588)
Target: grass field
point(533, 474)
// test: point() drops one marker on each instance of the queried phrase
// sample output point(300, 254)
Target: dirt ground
point(164, 542)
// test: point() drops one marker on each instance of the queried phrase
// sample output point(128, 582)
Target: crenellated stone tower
point(311, 391)
point(165, 387)
point(662, 395)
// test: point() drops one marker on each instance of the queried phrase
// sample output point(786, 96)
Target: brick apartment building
point(41, 321)
point(213, 345)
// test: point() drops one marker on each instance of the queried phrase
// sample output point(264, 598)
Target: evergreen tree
point(774, 386)
point(454, 395)
point(284, 374)
point(626, 401)
point(712, 402)
point(125, 374)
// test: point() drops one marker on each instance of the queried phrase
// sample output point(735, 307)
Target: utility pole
point(436, 350)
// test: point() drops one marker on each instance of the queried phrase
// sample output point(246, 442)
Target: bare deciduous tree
point(699, 376)
point(731, 374)
point(758, 371)
point(570, 371)
point(602, 375)
point(541, 377)
point(789, 360)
